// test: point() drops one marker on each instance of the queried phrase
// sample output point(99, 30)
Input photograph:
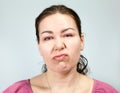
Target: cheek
point(74, 45)
point(45, 50)
point(74, 49)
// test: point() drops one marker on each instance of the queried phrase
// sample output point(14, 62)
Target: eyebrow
point(64, 30)
point(46, 32)
point(67, 29)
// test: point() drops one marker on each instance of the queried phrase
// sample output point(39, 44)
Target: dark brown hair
point(82, 64)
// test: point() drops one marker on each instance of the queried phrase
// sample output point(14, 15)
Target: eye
point(68, 35)
point(48, 38)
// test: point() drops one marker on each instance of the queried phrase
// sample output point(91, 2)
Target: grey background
point(19, 56)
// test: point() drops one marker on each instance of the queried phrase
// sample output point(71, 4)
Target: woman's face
point(60, 43)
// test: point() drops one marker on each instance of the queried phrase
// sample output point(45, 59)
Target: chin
point(65, 69)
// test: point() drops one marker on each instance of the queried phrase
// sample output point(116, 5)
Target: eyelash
point(50, 37)
point(68, 35)
point(47, 38)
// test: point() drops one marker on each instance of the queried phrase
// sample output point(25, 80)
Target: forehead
point(57, 21)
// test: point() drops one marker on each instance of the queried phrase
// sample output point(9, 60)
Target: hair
point(62, 9)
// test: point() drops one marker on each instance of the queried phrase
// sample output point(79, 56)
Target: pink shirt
point(25, 87)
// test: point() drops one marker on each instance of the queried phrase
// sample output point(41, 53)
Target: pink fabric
point(102, 87)
point(20, 87)
point(25, 87)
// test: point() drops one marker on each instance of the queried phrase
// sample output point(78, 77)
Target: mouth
point(60, 57)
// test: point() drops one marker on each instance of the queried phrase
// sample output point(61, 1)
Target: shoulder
point(102, 87)
point(22, 86)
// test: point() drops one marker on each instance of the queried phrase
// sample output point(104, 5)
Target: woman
point(60, 42)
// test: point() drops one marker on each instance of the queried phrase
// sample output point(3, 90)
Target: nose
point(59, 44)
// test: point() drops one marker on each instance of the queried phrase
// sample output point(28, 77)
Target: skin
point(58, 37)
point(60, 46)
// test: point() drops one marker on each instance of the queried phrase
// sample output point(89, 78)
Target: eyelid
point(47, 38)
point(68, 35)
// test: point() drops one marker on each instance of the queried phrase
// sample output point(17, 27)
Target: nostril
point(60, 45)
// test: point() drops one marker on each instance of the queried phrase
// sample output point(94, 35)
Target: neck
point(58, 80)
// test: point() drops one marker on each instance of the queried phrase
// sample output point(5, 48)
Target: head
point(62, 10)
point(57, 9)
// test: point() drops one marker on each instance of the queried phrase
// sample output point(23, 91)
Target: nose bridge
point(59, 43)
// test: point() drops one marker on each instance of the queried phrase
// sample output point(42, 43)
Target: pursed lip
point(60, 57)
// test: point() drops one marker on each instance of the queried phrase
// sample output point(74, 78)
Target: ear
point(82, 41)
point(39, 48)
